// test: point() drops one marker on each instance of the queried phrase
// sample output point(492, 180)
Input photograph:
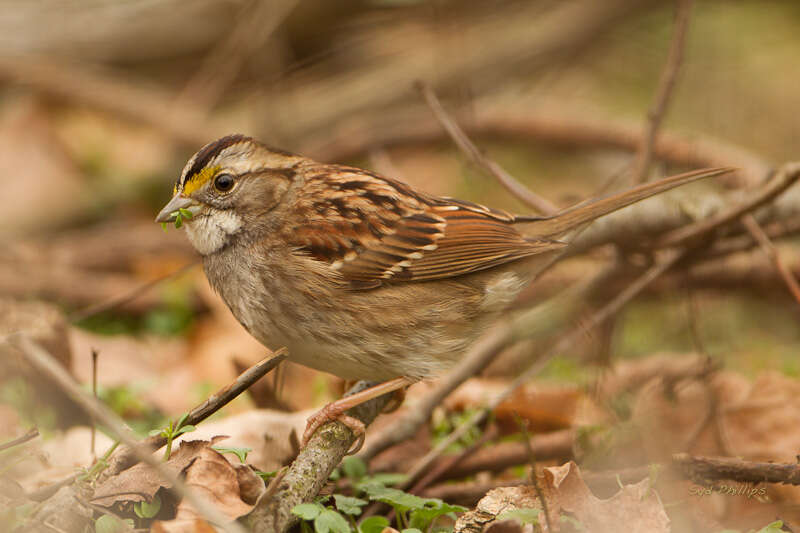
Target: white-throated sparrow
point(357, 274)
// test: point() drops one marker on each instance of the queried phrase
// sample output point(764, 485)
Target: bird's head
point(228, 188)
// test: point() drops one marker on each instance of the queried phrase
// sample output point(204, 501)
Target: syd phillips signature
point(747, 490)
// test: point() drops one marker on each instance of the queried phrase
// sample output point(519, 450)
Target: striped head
point(225, 187)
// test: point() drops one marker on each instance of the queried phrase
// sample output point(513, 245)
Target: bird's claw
point(333, 413)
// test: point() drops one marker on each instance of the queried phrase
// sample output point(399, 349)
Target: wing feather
point(375, 230)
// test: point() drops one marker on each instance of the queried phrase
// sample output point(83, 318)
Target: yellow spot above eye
point(200, 179)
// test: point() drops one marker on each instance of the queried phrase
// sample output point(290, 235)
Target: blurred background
point(103, 101)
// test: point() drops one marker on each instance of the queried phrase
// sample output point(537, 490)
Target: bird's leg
point(336, 410)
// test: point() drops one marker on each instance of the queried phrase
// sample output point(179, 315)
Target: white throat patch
point(210, 231)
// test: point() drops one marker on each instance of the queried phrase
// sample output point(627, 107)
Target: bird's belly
point(418, 352)
point(412, 330)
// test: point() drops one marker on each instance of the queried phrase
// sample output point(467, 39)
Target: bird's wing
point(374, 230)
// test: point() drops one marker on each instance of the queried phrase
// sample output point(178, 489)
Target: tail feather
point(572, 217)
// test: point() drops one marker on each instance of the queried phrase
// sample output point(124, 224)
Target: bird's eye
point(223, 182)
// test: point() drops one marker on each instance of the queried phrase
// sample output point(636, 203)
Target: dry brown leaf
point(265, 432)
point(141, 482)
point(669, 417)
point(763, 426)
point(636, 506)
point(233, 490)
point(498, 501)
point(546, 407)
point(216, 480)
point(755, 421)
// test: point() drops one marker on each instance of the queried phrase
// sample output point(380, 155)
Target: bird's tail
point(572, 217)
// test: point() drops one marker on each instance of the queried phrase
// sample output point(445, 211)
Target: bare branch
point(44, 363)
point(664, 91)
point(771, 252)
point(126, 456)
point(705, 469)
point(782, 180)
point(477, 157)
point(521, 327)
point(558, 129)
point(30, 435)
point(123, 299)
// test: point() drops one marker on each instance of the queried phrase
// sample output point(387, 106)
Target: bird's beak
point(178, 202)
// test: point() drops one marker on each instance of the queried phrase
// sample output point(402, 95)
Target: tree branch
point(310, 470)
point(664, 92)
point(517, 189)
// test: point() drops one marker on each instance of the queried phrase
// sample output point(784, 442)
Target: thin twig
point(498, 457)
point(782, 180)
point(44, 363)
point(664, 92)
point(477, 157)
point(441, 468)
point(761, 237)
point(523, 428)
point(566, 342)
point(556, 129)
point(30, 435)
point(476, 358)
point(126, 457)
point(113, 303)
point(94, 394)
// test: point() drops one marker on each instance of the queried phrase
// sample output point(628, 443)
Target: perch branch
point(310, 470)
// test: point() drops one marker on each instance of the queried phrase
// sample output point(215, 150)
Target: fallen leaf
point(504, 500)
point(265, 432)
point(141, 482)
point(232, 489)
point(212, 477)
point(546, 407)
point(637, 506)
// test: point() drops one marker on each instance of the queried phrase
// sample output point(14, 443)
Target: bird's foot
point(333, 412)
